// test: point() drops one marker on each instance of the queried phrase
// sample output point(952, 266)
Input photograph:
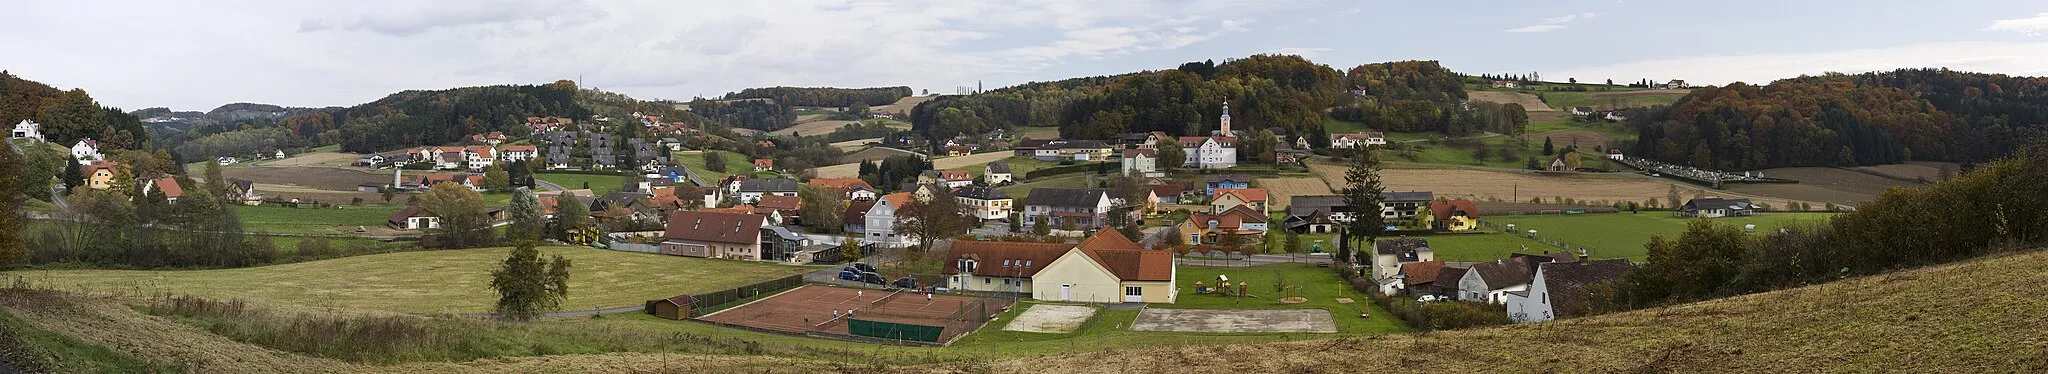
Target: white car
point(1430, 298)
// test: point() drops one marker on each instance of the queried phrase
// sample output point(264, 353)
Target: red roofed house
point(854, 188)
point(762, 164)
point(1227, 198)
point(516, 153)
point(492, 138)
point(1454, 215)
point(1106, 268)
point(1204, 228)
point(714, 235)
point(169, 186)
point(788, 206)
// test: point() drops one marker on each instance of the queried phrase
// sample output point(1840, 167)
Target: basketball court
point(863, 313)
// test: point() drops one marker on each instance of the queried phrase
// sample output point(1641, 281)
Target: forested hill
point(1848, 120)
point(824, 96)
point(67, 116)
point(1264, 91)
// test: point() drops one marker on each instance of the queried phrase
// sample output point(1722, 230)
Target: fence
point(891, 330)
point(705, 303)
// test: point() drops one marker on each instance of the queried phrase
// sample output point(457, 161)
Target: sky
point(201, 54)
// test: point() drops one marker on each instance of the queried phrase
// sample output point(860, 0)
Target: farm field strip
point(1623, 234)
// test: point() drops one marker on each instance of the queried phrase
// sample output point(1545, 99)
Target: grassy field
point(734, 163)
point(337, 220)
point(451, 281)
point(599, 184)
point(1623, 235)
point(1036, 132)
point(1463, 247)
point(1625, 98)
point(1020, 190)
point(52, 352)
point(1321, 287)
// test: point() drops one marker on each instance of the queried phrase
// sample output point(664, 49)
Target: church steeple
point(1226, 120)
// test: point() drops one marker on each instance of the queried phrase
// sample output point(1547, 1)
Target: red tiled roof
point(780, 202)
point(1135, 265)
point(170, 187)
point(1421, 272)
point(1166, 190)
point(520, 148)
point(762, 162)
point(1246, 194)
point(483, 151)
point(1024, 259)
point(839, 183)
point(896, 200)
point(1244, 213)
point(857, 212)
point(1443, 209)
point(956, 175)
point(714, 227)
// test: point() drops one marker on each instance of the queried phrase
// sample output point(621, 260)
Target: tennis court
point(837, 311)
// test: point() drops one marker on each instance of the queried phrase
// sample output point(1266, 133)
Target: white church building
point(1217, 151)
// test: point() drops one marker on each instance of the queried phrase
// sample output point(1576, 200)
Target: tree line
point(824, 96)
point(68, 115)
point(1846, 120)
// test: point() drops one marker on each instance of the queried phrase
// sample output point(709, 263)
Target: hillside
point(1848, 120)
point(1936, 319)
point(67, 115)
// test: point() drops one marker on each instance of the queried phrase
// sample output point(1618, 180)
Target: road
point(547, 186)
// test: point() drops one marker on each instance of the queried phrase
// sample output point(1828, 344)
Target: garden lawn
point(1485, 246)
point(1623, 235)
point(337, 220)
point(734, 163)
point(1320, 286)
point(448, 281)
point(1021, 190)
point(599, 183)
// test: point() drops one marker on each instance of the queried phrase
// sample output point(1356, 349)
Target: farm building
point(675, 308)
point(1389, 255)
point(1716, 208)
point(1106, 268)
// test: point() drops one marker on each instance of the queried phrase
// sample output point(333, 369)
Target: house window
point(984, 281)
point(1134, 291)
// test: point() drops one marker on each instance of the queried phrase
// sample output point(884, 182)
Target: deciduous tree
point(461, 211)
point(527, 220)
point(527, 285)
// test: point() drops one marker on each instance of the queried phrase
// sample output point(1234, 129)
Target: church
point(1217, 151)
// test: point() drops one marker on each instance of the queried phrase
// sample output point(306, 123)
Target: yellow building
point(1454, 215)
point(1227, 198)
point(100, 175)
point(1106, 268)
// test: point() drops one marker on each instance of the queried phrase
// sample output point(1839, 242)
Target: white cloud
point(1999, 57)
point(1307, 52)
point(2026, 26)
point(1554, 23)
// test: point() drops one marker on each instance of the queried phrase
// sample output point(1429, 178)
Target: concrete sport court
point(1235, 320)
point(1048, 318)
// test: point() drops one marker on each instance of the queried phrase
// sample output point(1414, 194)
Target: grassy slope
point(453, 281)
point(734, 163)
point(1623, 235)
point(1321, 287)
point(1021, 190)
point(29, 348)
point(342, 219)
point(599, 184)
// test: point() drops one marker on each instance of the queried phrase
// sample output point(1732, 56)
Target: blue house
point(1227, 181)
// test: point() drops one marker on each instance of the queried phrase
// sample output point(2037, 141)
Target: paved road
point(547, 186)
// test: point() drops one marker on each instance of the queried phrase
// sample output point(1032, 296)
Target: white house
point(751, 190)
point(1390, 254)
point(1143, 162)
point(516, 153)
point(278, 155)
point(1493, 281)
point(997, 174)
point(87, 151)
point(479, 157)
point(881, 221)
point(226, 160)
point(984, 203)
point(1563, 289)
point(1212, 152)
point(1359, 140)
point(27, 129)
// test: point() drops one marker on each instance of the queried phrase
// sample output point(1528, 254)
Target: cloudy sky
point(198, 55)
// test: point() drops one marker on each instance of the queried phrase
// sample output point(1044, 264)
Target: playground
point(1268, 298)
point(863, 314)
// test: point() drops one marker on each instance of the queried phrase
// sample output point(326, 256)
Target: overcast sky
point(198, 55)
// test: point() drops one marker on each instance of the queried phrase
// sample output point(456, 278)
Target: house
point(27, 130)
point(854, 220)
point(984, 203)
point(1215, 182)
point(1228, 198)
point(1564, 289)
point(853, 189)
point(1402, 206)
point(169, 186)
point(789, 207)
point(558, 159)
point(1616, 115)
point(1204, 228)
point(1454, 215)
point(87, 151)
point(226, 160)
point(1085, 150)
point(1166, 193)
point(762, 164)
point(474, 182)
point(881, 221)
point(1417, 278)
point(1505, 84)
point(1315, 222)
point(99, 175)
point(997, 174)
point(1492, 281)
point(1446, 284)
point(1716, 208)
point(1083, 208)
point(517, 153)
point(413, 218)
point(479, 156)
point(701, 196)
point(949, 178)
point(492, 138)
point(1030, 147)
point(959, 150)
point(1358, 140)
point(1615, 154)
point(617, 205)
point(1332, 206)
point(1106, 268)
point(1209, 152)
point(1390, 254)
point(1143, 162)
point(603, 159)
point(371, 160)
point(1676, 84)
point(713, 235)
point(751, 190)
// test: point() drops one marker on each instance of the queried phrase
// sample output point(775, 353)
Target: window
point(1006, 281)
point(984, 281)
point(1134, 291)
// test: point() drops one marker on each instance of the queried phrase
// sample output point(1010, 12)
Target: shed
point(676, 308)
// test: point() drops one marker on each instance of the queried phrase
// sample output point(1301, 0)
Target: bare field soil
point(1491, 185)
point(1839, 179)
point(1586, 140)
point(1917, 170)
point(1281, 191)
point(321, 178)
point(1235, 321)
point(318, 159)
point(1529, 102)
point(854, 144)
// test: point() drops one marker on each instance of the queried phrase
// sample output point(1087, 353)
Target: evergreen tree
point(527, 219)
point(74, 175)
point(1363, 193)
point(1041, 225)
point(714, 161)
point(1548, 149)
point(216, 184)
point(527, 285)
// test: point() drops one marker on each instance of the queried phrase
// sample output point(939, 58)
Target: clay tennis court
point(810, 310)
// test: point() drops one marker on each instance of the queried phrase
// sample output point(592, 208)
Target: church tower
point(1226, 120)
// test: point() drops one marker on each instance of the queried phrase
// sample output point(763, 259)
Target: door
point(1134, 294)
point(1066, 292)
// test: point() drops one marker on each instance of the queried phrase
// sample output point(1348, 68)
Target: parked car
point(872, 277)
point(849, 275)
point(905, 282)
point(865, 268)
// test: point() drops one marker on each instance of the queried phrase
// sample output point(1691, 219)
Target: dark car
point(849, 275)
point(905, 282)
point(872, 277)
point(864, 268)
